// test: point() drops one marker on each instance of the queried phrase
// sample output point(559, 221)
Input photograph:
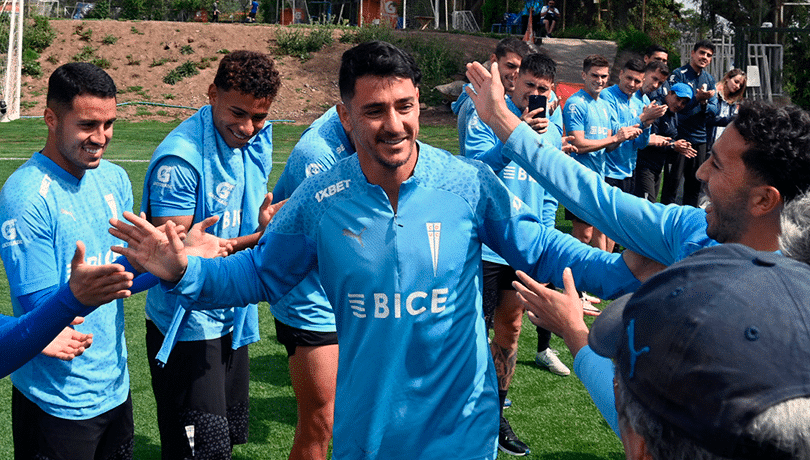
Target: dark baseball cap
point(713, 341)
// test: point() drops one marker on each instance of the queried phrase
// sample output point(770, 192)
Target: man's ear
point(212, 94)
point(343, 113)
point(493, 58)
point(50, 118)
point(764, 200)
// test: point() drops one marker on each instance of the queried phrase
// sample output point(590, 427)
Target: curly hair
point(248, 72)
point(779, 145)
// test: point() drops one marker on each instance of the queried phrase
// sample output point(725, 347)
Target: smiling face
point(727, 183)
point(78, 137)
point(382, 120)
point(595, 80)
point(734, 84)
point(527, 84)
point(237, 116)
point(652, 81)
point(508, 66)
point(675, 103)
point(700, 58)
point(630, 81)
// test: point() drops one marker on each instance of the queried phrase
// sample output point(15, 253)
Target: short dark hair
point(248, 72)
point(376, 58)
point(652, 49)
point(76, 79)
point(779, 145)
point(511, 45)
point(634, 64)
point(652, 66)
point(539, 65)
point(704, 44)
point(594, 60)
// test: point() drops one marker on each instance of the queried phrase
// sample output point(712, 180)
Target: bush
point(796, 71)
point(187, 69)
point(100, 11)
point(30, 63)
point(109, 40)
point(101, 62)
point(86, 54)
point(38, 36)
point(132, 9)
point(633, 39)
point(367, 33)
point(300, 42)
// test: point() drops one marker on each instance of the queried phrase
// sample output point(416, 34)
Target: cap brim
point(606, 331)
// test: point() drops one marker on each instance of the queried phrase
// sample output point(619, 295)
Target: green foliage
point(101, 62)
point(100, 11)
point(186, 49)
point(135, 31)
point(797, 72)
point(186, 69)
point(223, 51)
point(86, 54)
point(632, 39)
point(30, 63)
point(158, 62)
point(132, 61)
point(84, 34)
point(109, 40)
point(36, 36)
point(367, 33)
point(300, 41)
point(53, 59)
point(493, 11)
point(133, 9)
point(156, 10)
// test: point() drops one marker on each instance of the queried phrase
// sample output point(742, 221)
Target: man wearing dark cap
point(722, 379)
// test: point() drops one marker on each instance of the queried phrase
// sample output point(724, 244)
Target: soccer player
point(395, 233)
point(692, 124)
point(758, 164)
point(587, 118)
point(215, 163)
point(305, 321)
point(476, 140)
point(78, 409)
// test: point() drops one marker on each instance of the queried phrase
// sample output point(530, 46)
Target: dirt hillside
point(144, 52)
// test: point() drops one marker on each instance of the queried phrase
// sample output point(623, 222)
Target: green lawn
point(554, 415)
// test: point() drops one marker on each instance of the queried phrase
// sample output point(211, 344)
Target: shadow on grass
point(272, 369)
point(576, 456)
point(145, 449)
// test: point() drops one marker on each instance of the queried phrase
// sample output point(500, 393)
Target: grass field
point(554, 415)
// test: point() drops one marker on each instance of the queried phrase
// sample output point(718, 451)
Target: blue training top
point(415, 373)
point(322, 145)
point(45, 210)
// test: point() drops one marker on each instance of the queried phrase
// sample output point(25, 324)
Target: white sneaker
point(548, 358)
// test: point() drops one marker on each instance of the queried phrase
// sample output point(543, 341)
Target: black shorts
point(573, 218)
point(497, 278)
point(204, 385)
point(292, 337)
point(625, 185)
point(40, 435)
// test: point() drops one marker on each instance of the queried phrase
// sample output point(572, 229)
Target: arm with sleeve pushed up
point(48, 312)
point(650, 229)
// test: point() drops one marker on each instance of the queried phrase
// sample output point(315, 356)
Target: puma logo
point(358, 236)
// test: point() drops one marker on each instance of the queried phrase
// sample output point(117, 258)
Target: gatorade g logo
point(224, 190)
point(9, 229)
point(164, 174)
